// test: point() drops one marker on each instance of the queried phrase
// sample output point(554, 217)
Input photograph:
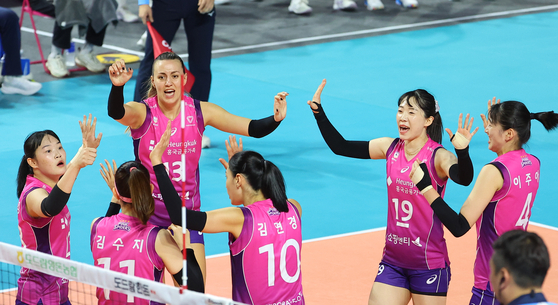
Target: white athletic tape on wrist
point(426, 189)
point(459, 141)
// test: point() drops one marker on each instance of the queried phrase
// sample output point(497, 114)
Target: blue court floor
point(462, 65)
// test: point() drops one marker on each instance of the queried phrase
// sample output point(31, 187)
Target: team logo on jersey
point(173, 131)
point(273, 212)
point(416, 242)
point(190, 119)
point(525, 161)
point(431, 279)
point(404, 169)
point(395, 156)
point(155, 119)
point(122, 226)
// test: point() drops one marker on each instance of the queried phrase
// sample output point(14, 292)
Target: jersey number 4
point(524, 218)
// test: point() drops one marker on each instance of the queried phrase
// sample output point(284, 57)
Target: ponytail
point(273, 186)
point(30, 146)
point(549, 119)
point(515, 115)
point(133, 186)
point(22, 173)
point(261, 175)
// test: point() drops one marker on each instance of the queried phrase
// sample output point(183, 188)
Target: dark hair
point(525, 256)
point(132, 181)
point(261, 175)
point(30, 146)
point(151, 92)
point(427, 103)
point(515, 115)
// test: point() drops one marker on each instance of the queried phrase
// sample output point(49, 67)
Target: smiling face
point(166, 80)
point(50, 158)
point(411, 121)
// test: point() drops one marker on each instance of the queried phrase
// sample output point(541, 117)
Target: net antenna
point(184, 193)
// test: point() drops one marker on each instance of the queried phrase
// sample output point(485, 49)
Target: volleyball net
point(84, 279)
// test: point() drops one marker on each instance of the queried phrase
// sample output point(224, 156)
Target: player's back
point(122, 243)
point(265, 258)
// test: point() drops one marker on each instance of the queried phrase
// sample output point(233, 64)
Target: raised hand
point(232, 148)
point(85, 156)
point(118, 73)
point(317, 97)
point(463, 135)
point(156, 155)
point(88, 132)
point(280, 106)
point(491, 102)
point(108, 173)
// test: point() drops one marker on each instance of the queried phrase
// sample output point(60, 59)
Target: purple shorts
point(483, 297)
point(196, 237)
point(428, 282)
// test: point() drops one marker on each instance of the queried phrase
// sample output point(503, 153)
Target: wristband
point(425, 181)
point(53, 204)
point(116, 102)
point(262, 127)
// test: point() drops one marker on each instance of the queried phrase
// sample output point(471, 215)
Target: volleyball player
point(415, 263)
point(148, 120)
point(127, 243)
point(44, 185)
point(265, 235)
point(504, 192)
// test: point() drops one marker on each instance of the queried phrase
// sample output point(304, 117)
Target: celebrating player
point(265, 233)
point(44, 185)
point(127, 243)
point(148, 120)
point(415, 263)
point(505, 189)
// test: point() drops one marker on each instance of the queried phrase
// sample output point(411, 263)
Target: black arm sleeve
point(262, 127)
point(54, 202)
point(195, 277)
point(336, 142)
point(116, 102)
point(114, 208)
point(195, 220)
point(458, 225)
point(462, 172)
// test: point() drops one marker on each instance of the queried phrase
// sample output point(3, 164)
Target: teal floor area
point(463, 66)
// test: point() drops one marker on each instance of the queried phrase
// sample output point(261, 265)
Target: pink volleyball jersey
point(414, 234)
point(149, 134)
point(50, 235)
point(122, 243)
point(509, 209)
point(265, 258)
